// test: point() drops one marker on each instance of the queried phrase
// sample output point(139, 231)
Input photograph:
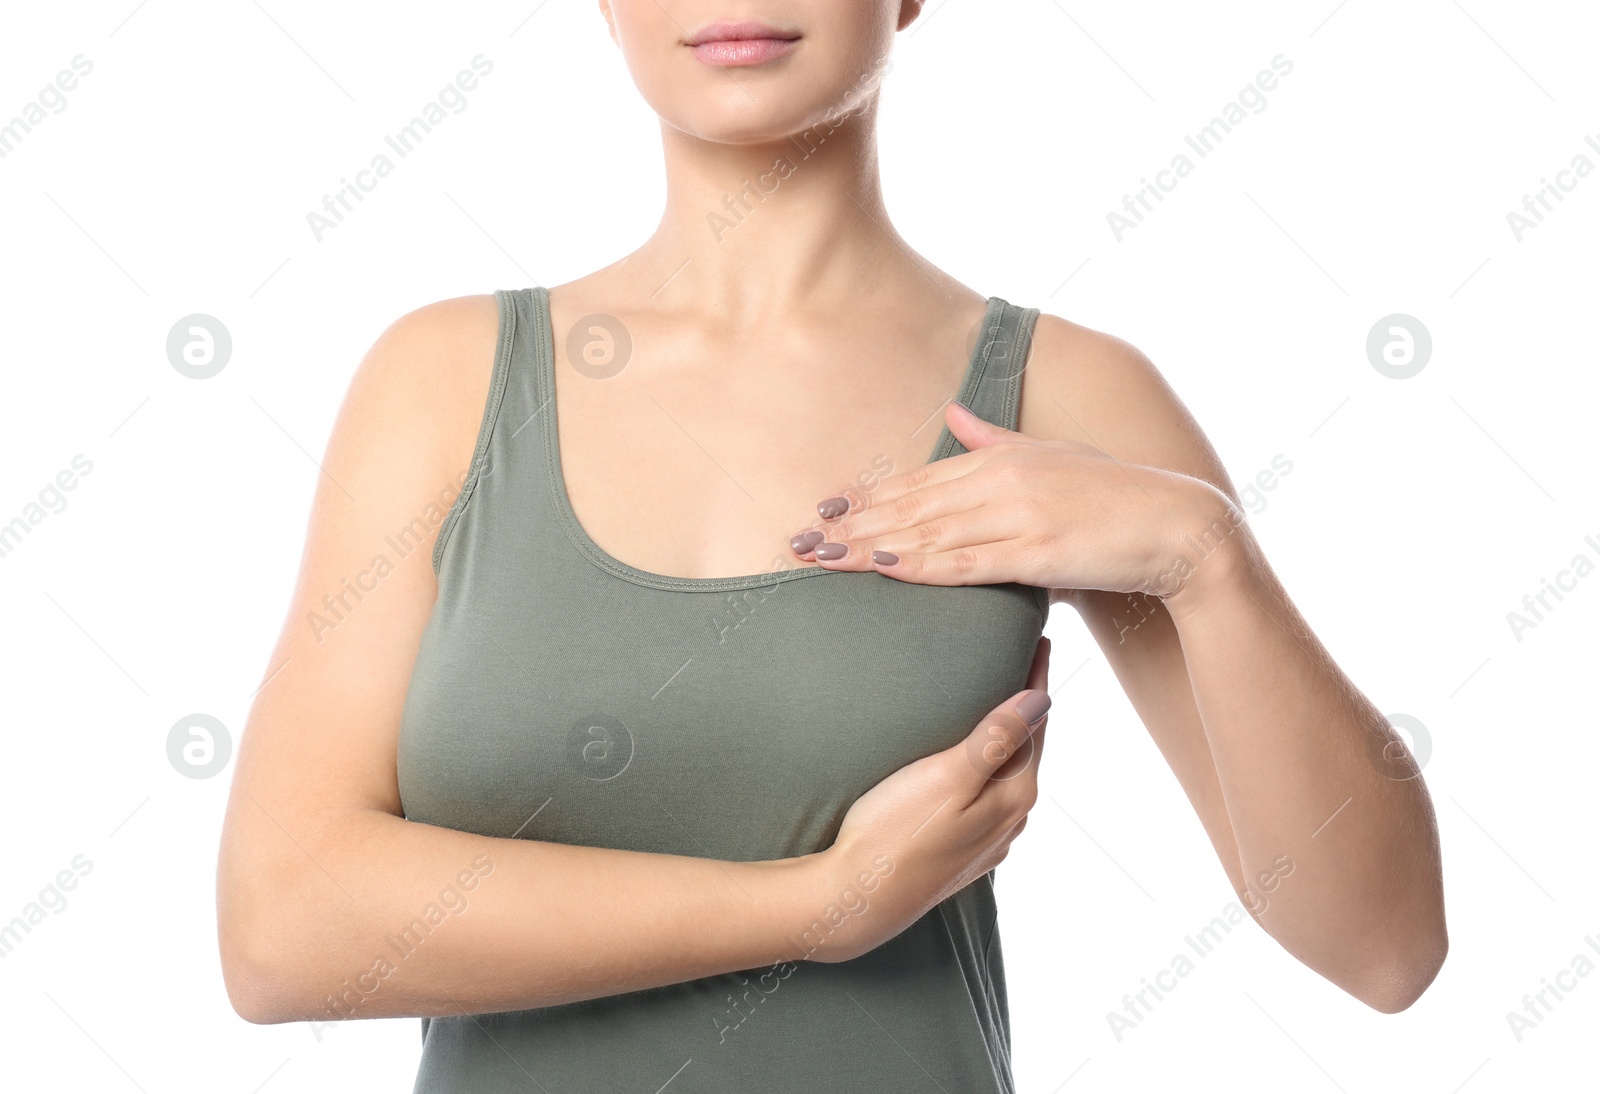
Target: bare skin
point(318, 867)
point(771, 363)
point(1289, 767)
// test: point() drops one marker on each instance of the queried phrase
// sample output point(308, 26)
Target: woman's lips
point(745, 51)
point(742, 43)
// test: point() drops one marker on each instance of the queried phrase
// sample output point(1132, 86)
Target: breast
point(736, 725)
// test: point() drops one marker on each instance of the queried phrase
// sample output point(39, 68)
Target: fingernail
point(805, 541)
point(885, 558)
point(833, 507)
point(831, 551)
point(1032, 706)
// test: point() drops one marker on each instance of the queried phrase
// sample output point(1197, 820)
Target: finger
point(1039, 669)
point(991, 562)
point(1000, 736)
point(1038, 679)
point(1025, 762)
point(946, 530)
point(981, 527)
point(892, 487)
point(1038, 746)
point(928, 508)
point(974, 431)
point(955, 514)
point(868, 519)
point(977, 434)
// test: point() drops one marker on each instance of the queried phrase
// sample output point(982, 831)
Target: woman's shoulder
point(433, 344)
point(434, 341)
point(1088, 385)
point(428, 373)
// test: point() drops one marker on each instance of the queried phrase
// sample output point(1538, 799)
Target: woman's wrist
point(1210, 533)
point(825, 905)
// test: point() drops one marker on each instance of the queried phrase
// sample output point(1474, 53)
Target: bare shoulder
point(1086, 385)
point(429, 372)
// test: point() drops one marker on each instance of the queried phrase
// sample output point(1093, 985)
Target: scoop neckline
point(544, 341)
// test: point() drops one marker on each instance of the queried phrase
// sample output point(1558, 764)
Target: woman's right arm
point(331, 904)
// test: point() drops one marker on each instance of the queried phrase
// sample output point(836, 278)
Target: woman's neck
point(756, 230)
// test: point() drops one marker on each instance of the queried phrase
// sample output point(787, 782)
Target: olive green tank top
point(560, 694)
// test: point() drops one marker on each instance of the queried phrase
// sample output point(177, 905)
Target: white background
point(1418, 512)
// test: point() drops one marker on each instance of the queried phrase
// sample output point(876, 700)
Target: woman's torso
point(562, 694)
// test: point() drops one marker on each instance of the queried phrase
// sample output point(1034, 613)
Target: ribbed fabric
point(735, 719)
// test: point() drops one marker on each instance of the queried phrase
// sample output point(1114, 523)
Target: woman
point(531, 766)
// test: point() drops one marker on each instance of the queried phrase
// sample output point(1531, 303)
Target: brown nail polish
point(1032, 706)
point(833, 507)
point(885, 558)
point(805, 541)
point(831, 551)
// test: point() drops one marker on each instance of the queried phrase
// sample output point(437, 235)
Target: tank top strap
point(994, 382)
point(508, 448)
point(526, 340)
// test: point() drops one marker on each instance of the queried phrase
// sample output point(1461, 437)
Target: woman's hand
point(930, 829)
point(1055, 514)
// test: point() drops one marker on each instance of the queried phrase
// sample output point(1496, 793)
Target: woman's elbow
point(259, 986)
point(1397, 983)
point(263, 970)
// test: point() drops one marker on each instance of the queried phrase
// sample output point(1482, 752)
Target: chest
point(705, 463)
point(737, 724)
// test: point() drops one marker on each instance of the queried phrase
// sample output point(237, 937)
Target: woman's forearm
point(391, 918)
point(1301, 759)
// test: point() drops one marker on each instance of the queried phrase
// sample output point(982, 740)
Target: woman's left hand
point(1056, 514)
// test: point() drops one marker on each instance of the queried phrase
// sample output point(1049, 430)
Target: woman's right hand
point(931, 828)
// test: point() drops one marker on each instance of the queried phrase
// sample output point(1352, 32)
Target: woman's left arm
point(1110, 496)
